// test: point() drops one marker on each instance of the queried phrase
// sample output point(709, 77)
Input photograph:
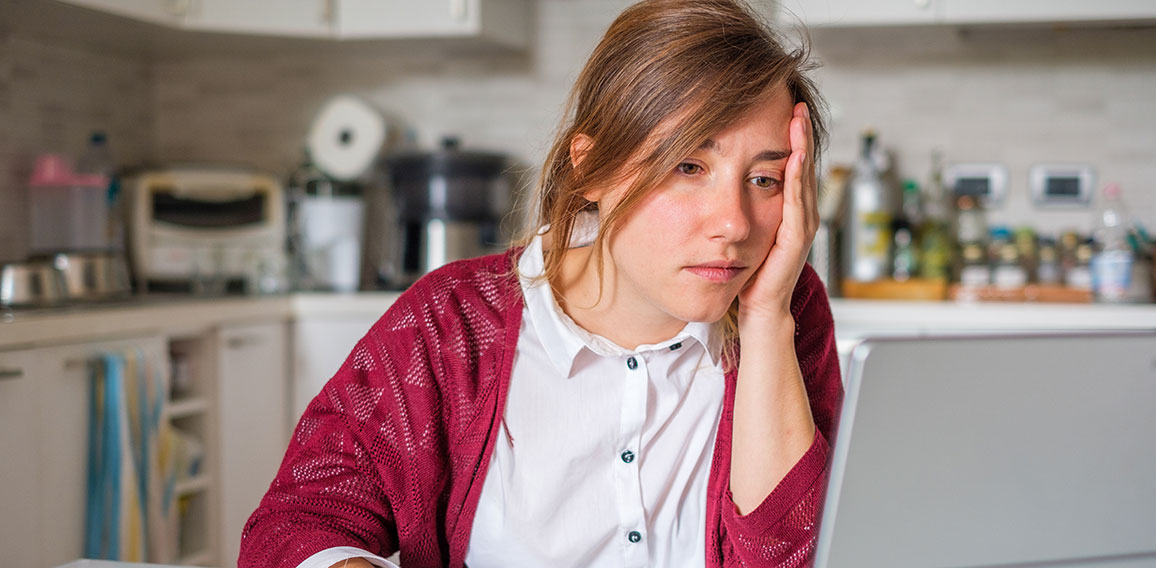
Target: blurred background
point(207, 183)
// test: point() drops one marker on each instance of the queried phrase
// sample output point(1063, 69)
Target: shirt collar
point(561, 336)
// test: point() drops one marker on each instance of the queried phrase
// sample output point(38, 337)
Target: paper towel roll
point(346, 137)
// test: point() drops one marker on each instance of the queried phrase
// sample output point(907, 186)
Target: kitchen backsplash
point(1016, 96)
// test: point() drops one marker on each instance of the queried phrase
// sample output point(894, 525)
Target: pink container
point(67, 211)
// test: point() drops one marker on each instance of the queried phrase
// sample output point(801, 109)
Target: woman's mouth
point(716, 272)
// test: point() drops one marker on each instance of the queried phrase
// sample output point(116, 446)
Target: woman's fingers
point(800, 211)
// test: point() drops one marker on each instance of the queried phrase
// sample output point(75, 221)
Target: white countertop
point(854, 319)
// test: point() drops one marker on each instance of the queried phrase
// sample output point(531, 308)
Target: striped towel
point(130, 513)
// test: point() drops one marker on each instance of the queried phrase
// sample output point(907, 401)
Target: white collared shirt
point(605, 453)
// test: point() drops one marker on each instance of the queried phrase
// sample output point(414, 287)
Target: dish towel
point(130, 513)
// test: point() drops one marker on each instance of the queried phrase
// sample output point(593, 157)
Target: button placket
point(631, 512)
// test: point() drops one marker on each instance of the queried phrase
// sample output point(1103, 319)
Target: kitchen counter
point(854, 319)
point(174, 314)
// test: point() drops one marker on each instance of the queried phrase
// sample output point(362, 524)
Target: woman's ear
point(580, 145)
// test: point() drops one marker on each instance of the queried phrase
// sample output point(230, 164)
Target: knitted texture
point(392, 454)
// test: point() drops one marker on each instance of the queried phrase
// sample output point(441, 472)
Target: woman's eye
point(764, 182)
point(689, 169)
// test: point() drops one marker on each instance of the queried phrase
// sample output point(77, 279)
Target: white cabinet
point(166, 12)
point(833, 13)
point(64, 372)
point(253, 409)
point(320, 345)
point(304, 18)
point(1010, 11)
point(19, 465)
point(501, 21)
point(309, 18)
point(850, 13)
point(44, 408)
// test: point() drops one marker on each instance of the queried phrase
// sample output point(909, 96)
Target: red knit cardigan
point(393, 452)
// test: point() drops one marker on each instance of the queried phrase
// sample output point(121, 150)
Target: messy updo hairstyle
point(667, 75)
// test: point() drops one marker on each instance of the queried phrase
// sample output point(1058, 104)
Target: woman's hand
point(768, 295)
point(773, 426)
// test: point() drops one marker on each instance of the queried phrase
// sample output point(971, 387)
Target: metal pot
point(93, 275)
point(37, 283)
point(444, 206)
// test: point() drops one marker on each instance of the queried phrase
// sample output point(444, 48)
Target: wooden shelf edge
point(188, 406)
point(192, 485)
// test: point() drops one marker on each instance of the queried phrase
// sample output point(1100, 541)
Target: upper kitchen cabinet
point(167, 12)
point(834, 13)
point(300, 18)
point(504, 22)
point(852, 13)
point(292, 18)
point(1012, 11)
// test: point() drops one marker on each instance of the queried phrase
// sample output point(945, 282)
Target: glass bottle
point(1048, 266)
point(935, 230)
point(869, 219)
point(1111, 263)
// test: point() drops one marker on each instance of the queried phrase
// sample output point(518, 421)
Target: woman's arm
point(773, 425)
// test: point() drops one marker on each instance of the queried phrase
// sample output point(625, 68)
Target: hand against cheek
point(769, 292)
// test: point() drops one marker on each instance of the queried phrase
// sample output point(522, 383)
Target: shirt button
point(634, 536)
point(632, 363)
point(628, 456)
point(676, 346)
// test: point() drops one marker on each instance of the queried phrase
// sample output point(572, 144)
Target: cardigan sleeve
point(782, 530)
point(327, 492)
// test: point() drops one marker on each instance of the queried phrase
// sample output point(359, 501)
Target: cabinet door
point(1002, 11)
point(406, 18)
point(306, 18)
point(20, 544)
point(168, 12)
point(320, 346)
point(63, 372)
point(253, 403)
point(834, 13)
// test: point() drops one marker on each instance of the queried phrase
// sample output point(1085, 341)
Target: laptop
point(995, 451)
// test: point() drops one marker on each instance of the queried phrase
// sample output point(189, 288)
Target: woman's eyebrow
point(764, 156)
point(772, 155)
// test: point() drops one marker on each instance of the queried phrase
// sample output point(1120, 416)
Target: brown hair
point(667, 75)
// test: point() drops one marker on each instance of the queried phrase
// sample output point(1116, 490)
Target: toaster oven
point(186, 224)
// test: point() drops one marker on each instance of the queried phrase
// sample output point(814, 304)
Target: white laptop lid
point(986, 451)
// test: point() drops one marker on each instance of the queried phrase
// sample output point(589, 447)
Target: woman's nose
point(728, 214)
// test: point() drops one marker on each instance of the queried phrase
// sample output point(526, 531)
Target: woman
point(582, 399)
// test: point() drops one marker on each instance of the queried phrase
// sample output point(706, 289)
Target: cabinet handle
point(242, 341)
point(458, 10)
point(8, 374)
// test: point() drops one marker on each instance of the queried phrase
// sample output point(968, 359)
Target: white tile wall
point(51, 99)
point(1019, 96)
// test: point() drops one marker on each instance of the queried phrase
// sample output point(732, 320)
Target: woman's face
point(688, 248)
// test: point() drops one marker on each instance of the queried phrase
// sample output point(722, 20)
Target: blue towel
point(129, 511)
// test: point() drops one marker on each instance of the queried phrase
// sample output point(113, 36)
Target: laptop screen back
point(995, 451)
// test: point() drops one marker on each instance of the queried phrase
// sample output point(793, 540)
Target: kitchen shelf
point(192, 485)
point(186, 407)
